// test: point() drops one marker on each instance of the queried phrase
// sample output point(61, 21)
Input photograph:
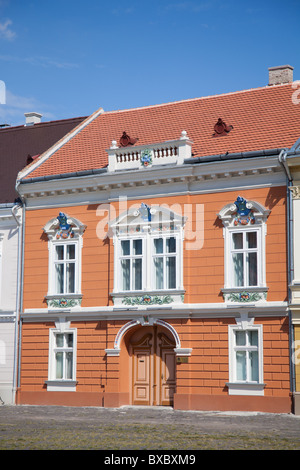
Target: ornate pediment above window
point(242, 213)
point(144, 219)
point(64, 227)
point(146, 156)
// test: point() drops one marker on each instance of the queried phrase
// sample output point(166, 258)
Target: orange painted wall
point(203, 268)
point(205, 374)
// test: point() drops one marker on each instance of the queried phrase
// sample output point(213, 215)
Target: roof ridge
point(266, 87)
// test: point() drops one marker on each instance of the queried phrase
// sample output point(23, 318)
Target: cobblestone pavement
point(19, 423)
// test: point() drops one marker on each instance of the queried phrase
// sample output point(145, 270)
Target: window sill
point(246, 388)
point(245, 294)
point(149, 298)
point(61, 385)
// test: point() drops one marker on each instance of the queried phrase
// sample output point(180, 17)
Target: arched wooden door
point(153, 368)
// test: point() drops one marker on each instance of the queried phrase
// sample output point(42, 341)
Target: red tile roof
point(262, 118)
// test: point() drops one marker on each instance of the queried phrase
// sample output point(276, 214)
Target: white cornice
point(213, 310)
point(153, 182)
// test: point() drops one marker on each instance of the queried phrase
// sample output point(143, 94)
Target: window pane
point(171, 245)
point(240, 338)
point(252, 261)
point(254, 365)
point(59, 365)
point(241, 365)
point(159, 273)
point(171, 272)
point(69, 340)
point(70, 251)
point(237, 239)
point(137, 274)
point(137, 247)
point(253, 338)
point(125, 247)
point(59, 278)
point(252, 239)
point(238, 269)
point(159, 245)
point(59, 340)
point(71, 278)
point(125, 266)
point(59, 252)
point(69, 365)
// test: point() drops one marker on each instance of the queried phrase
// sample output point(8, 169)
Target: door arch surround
point(152, 366)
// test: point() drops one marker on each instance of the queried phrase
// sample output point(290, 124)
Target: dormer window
point(148, 256)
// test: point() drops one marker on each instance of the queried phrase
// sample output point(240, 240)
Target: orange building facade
point(158, 277)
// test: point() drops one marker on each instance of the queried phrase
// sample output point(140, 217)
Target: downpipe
point(290, 250)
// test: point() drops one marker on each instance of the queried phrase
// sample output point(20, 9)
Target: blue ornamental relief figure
point(145, 212)
point(243, 214)
point(65, 229)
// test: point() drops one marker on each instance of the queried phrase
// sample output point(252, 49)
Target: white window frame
point(61, 384)
point(245, 251)
point(52, 267)
point(245, 387)
point(148, 269)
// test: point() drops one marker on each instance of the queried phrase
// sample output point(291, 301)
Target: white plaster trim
point(246, 388)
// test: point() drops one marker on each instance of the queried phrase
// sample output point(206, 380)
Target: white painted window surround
point(244, 252)
point(65, 252)
point(245, 358)
point(148, 254)
point(62, 357)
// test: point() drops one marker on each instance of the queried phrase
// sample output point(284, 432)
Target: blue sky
point(68, 58)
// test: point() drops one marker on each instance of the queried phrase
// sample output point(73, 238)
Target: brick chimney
point(32, 118)
point(280, 74)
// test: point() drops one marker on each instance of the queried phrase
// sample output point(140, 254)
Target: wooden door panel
point(141, 377)
point(168, 376)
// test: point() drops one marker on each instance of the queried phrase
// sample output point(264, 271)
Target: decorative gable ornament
point(64, 227)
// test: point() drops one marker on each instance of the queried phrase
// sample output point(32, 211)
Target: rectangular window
point(64, 268)
point(246, 356)
point(131, 259)
point(63, 353)
point(164, 262)
point(244, 258)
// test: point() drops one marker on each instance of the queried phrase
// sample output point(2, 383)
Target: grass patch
point(133, 437)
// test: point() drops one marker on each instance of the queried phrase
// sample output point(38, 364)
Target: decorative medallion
point(148, 300)
point(146, 158)
point(65, 229)
point(244, 214)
